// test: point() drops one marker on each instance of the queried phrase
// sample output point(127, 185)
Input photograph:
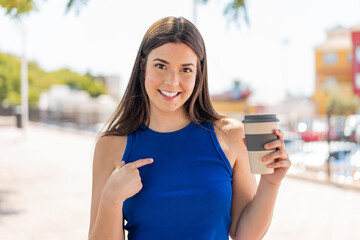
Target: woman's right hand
point(124, 182)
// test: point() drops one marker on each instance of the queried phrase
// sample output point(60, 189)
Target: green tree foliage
point(234, 11)
point(77, 4)
point(79, 82)
point(40, 80)
point(17, 8)
point(342, 105)
point(9, 79)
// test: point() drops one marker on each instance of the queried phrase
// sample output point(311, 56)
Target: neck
point(168, 122)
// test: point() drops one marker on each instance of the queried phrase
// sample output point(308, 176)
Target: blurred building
point(355, 36)
point(334, 67)
point(233, 101)
point(62, 105)
point(112, 84)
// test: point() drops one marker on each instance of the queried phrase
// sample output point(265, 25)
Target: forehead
point(174, 51)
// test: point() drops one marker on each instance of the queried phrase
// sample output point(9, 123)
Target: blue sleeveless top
point(186, 191)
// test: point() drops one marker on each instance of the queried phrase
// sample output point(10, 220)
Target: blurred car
point(317, 129)
point(352, 128)
point(313, 130)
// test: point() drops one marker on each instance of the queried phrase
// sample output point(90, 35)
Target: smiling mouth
point(169, 94)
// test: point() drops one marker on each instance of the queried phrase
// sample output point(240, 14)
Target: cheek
point(189, 84)
point(151, 79)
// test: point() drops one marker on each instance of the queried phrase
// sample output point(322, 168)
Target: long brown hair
point(133, 109)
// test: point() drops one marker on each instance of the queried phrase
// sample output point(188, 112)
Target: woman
point(170, 165)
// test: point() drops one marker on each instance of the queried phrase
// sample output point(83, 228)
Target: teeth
point(169, 94)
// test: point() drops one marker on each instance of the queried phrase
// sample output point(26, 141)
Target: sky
point(273, 55)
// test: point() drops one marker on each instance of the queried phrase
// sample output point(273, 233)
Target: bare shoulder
point(229, 133)
point(230, 127)
point(111, 141)
point(109, 150)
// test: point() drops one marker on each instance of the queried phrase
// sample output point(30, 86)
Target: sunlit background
point(298, 59)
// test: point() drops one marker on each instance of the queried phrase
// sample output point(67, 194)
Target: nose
point(172, 79)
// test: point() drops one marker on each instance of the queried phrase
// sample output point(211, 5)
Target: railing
point(84, 120)
point(8, 117)
point(325, 150)
point(80, 120)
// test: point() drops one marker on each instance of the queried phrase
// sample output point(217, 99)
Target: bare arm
point(252, 206)
point(113, 183)
point(106, 221)
point(256, 217)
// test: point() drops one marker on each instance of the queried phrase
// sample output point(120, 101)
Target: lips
point(169, 94)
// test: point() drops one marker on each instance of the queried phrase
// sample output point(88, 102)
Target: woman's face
point(170, 77)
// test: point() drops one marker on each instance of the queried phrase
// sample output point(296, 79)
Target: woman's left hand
point(281, 162)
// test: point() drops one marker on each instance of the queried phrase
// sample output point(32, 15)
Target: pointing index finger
point(121, 164)
point(142, 162)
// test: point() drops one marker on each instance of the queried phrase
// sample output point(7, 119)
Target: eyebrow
point(166, 62)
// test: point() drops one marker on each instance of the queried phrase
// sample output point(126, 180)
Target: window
point(357, 54)
point(330, 58)
point(357, 81)
point(330, 83)
point(349, 57)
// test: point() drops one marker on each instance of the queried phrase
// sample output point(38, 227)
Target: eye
point(160, 66)
point(187, 70)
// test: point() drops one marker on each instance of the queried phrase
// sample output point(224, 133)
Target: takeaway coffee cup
point(259, 130)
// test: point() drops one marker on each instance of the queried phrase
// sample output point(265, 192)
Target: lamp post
point(285, 58)
point(195, 6)
point(24, 83)
point(329, 114)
